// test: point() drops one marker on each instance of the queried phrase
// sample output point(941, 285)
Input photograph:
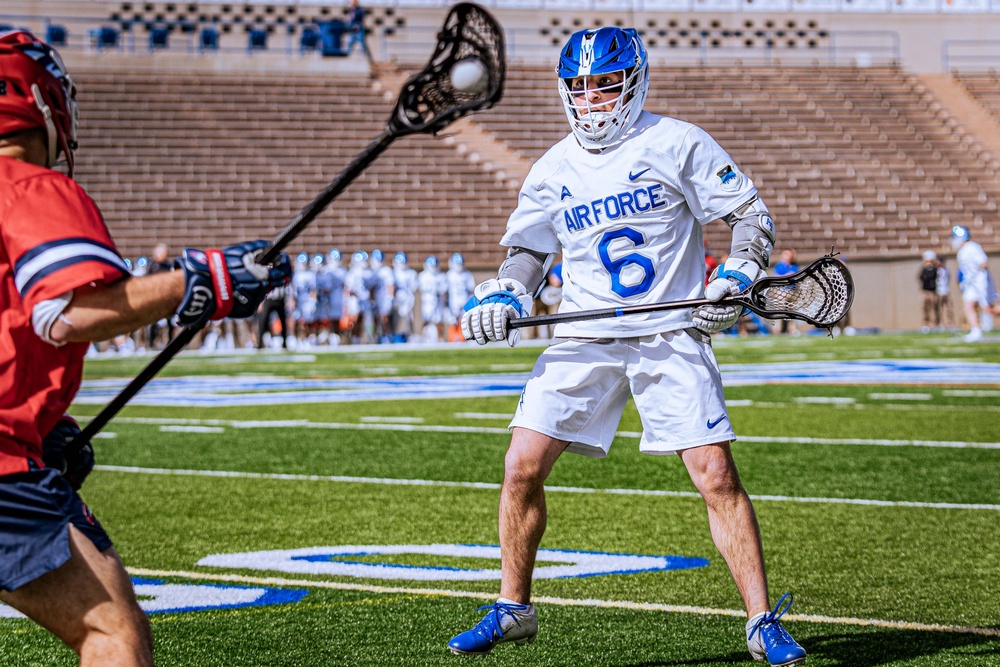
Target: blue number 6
point(615, 266)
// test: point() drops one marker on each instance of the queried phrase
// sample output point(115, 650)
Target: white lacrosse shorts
point(578, 390)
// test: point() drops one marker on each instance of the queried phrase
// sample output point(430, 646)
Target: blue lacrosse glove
point(227, 282)
point(730, 279)
point(62, 450)
point(493, 305)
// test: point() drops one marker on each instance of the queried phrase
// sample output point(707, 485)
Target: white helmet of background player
point(318, 260)
point(302, 259)
point(334, 257)
point(959, 235)
point(38, 92)
point(377, 258)
point(359, 257)
point(590, 53)
point(400, 258)
point(431, 263)
point(456, 261)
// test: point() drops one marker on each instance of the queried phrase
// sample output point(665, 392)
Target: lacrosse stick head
point(429, 101)
point(820, 294)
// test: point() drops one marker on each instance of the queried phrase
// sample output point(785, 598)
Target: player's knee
point(715, 475)
point(122, 631)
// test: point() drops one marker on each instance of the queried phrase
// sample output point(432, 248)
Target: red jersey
point(52, 240)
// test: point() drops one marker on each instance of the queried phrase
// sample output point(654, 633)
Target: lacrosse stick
point(427, 104)
point(820, 294)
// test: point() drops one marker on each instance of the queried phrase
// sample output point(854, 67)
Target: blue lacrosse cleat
point(505, 622)
point(767, 640)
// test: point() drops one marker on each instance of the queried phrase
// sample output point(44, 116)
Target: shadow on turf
point(870, 648)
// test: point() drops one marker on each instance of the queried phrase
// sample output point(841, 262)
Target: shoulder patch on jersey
point(566, 194)
point(731, 179)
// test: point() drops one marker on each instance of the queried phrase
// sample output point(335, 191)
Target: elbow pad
point(753, 232)
point(46, 313)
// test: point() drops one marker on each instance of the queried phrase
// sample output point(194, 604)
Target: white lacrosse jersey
point(433, 286)
point(461, 285)
point(628, 221)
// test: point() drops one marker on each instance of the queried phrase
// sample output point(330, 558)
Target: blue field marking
point(326, 561)
point(229, 391)
point(161, 597)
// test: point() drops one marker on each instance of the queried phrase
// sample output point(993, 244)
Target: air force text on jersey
point(614, 207)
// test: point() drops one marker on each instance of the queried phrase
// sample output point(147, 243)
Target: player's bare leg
point(89, 603)
point(512, 618)
point(527, 465)
point(731, 519)
point(733, 523)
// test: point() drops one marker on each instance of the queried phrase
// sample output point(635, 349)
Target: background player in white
point(433, 291)
point(330, 298)
point(404, 298)
point(624, 198)
point(304, 290)
point(461, 284)
point(383, 286)
point(975, 285)
point(359, 301)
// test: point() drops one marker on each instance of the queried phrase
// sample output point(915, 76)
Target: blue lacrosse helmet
point(456, 260)
point(431, 262)
point(359, 257)
point(334, 256)
point(318, 259)
point(591, 53)
point(302, 258)
point(400, 258)
point(959, 235)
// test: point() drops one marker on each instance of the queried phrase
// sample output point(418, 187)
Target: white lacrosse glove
point(493, 305)
point(730, 279)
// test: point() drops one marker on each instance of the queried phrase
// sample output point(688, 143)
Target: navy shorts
point(35, 510)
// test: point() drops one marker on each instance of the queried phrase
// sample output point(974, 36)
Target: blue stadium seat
point(55, 34)
point(158, 38)
point(208, 39)
point(309, 40)
point(332, 38)
point(104, 38)
point(257, 40)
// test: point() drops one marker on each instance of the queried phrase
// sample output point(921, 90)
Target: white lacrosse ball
point(469, 76)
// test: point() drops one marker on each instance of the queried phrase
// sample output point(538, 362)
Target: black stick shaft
point(284, 237)
point(605, 313)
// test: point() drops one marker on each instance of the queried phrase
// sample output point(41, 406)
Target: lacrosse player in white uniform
point(623, 198)
point(973, 266)
point(433, 288)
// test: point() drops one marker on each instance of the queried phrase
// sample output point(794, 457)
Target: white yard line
point(389, 481)
point(303, 423)
point(563, 602)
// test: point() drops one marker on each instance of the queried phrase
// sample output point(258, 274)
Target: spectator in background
point(943, 290)
point(158, 263)
point(356, 29)
point(787, 265)
point(928, 278)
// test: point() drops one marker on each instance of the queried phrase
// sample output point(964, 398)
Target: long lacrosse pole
point(606, 313)
point(280, 242)
point(428, 103)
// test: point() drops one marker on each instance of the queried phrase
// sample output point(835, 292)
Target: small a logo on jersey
point(731, 179)
point(713, 424)
point(636, 175)
point(566, 194)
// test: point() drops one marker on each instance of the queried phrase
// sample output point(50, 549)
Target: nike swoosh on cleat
point(632, 176)
point(713, 424)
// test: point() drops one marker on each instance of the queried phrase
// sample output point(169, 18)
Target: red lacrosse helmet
point(36, 91)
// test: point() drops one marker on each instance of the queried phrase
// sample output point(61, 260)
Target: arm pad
point(753, 232)
point(527, 267)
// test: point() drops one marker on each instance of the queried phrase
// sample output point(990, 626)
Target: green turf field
point(879, 506)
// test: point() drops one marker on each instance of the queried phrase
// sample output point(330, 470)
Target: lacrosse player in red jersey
point(623, 197)
point(63, 285)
